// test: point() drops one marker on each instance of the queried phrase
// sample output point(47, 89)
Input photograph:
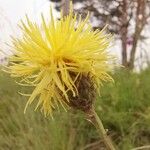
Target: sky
point(12, 11)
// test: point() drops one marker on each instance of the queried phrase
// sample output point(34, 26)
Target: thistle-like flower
point(64, 60)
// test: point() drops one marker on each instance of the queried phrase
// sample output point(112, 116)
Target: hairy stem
point(95, 120)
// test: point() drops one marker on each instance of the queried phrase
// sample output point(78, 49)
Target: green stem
point(94, 118)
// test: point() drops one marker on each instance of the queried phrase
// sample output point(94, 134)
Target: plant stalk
point(96, 121)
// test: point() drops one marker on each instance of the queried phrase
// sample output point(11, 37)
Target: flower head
point(57, 56)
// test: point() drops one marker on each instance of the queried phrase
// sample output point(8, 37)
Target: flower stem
point(96, 121)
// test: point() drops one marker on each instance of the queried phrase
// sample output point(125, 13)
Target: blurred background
point(124, 106)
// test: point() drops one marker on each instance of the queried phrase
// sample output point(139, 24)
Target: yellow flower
point(51, 57)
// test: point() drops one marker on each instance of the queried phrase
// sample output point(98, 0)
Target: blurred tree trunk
point(65, 7)
point(141, 20)
point(124, 32)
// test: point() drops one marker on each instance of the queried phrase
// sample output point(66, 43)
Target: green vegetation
point(123, 106)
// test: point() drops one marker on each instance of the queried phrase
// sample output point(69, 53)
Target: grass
point(124, 108)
